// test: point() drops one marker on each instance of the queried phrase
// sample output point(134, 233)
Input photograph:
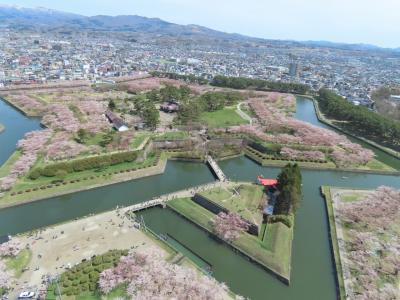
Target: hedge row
point(66, 182)
point(84, 164)
point(83, 278)
point(284, 219)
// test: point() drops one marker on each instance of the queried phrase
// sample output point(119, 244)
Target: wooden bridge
point(217, 170)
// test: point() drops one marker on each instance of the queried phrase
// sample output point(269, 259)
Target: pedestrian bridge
point(162, 200)
point(217, 170)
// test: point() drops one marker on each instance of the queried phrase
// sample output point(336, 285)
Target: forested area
point(191, 108)
point(259, 84)
point(188, 78)
point(384, 104)
point(289, 186)
point(103, 161)
point(360, 120)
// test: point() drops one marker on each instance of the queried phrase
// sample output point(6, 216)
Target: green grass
point(248, 111)
point(378, 165)
point(93, 178)
point(222, 118)
point(94, 139)
point(6, 167)
point(18, 263)
point(139, 139)
point(173, 135)
point(246, 204)
point(334, 242)
point(350, 197)
point(274, 251)
point(197, 213)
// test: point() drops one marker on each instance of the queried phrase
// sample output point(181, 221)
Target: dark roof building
point(170, 106)
point(117, 122)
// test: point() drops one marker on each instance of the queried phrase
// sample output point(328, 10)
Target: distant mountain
point(43, 18)
point(328, 44)
point(18, 17)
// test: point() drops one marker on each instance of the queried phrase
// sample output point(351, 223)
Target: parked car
point(26, 295)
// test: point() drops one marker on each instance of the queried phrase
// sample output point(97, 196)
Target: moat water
point(312, 266)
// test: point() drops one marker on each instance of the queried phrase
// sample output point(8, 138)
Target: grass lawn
point(222, 118)
point(18, 263)
point(377, 165)
point(82, 179)
point(248, 111)
point(173, 135)
point(6, 167)
point(243, 199)
point(94, 139)
point(139, 138)
point(351, 196)
point(273, 252)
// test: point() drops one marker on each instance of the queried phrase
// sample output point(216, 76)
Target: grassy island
point(267, 239)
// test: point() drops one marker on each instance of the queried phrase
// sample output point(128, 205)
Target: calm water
point(16, 125)
point(312, 271)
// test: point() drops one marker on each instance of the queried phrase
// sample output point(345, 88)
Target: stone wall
point(216, 209)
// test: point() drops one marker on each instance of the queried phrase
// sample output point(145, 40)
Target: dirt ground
point(56, 248)
point(166, 119)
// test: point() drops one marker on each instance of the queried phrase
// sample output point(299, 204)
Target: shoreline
point(23, 112)
point(142, 173)
point(279, 276)
point(278, 164)
point(333, 242)
point(325, 121)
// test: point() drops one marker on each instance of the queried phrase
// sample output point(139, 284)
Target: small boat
point(344, 177)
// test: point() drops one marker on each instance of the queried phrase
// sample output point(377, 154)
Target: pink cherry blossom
point(149, 276)
point(229, 226)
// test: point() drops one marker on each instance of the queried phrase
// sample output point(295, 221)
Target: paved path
point(217, 170)
point(243, 114)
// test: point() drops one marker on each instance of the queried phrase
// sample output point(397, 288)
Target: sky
point(374, 22)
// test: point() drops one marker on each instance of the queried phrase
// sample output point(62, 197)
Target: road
point(243, 114)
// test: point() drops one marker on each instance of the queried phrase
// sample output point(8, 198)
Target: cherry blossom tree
point(5, 276)
point(30, 146)
point(27, 103)
point(62, 146)
point(229, 226)
point(11, 248)
point(60, 117)
point(296, 154)
point(373, 243)
point(149, 276)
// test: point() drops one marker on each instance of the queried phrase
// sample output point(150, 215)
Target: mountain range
point(43, 18)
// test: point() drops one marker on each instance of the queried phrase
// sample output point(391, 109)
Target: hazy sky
point(351, 21)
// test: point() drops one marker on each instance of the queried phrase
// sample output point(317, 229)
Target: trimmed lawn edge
point(283, 278)
point(151, 171)
point(340, 287)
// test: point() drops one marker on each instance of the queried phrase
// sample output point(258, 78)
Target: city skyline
point(364, 22)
